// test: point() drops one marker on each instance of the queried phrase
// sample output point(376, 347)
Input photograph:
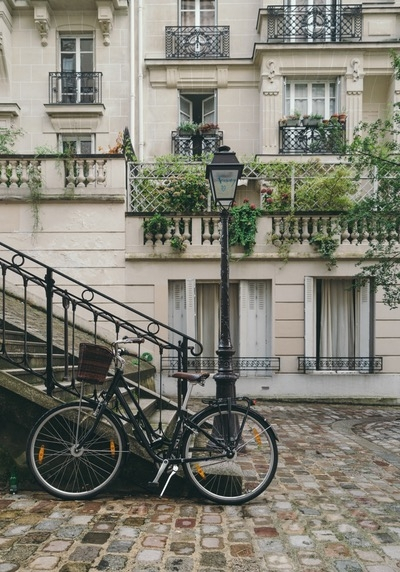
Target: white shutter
point(309, 317)
point(254, 318)
point(362, 348)
point(191, 307)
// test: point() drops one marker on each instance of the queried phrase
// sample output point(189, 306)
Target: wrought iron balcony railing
point(194, 145)
point(360, 364)
point(317, 23)
point(75, 87)
point(256, 365)
point(319, 140)
point(197, 42)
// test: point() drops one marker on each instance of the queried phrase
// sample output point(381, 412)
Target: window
point(338, 320)
point(197, 13)
point(311, 97)
point(194, 309)
point(77, 64)
point(76, 144)
point(197, 107)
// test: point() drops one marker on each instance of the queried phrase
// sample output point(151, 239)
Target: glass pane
point(300, 98)
point(86, 62)
point(86, 147)
point(68, 63)
point(68, 45)
point(86, 45)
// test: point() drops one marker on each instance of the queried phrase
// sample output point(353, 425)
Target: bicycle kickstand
point(155, 483)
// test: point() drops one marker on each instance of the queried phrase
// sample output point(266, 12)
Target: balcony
point(199, 42)
point(75, 87)
point(323, 139)
point(195, 145)
point(314, 23)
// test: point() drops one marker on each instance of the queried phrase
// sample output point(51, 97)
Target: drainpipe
point(140, 80)
point(132, 101)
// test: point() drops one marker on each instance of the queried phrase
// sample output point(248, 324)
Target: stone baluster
point(80, 178)
point(216, 229)
point(3, 174)
point(24, 174)
point(206, 238)
point(304, 231)
point(90, 165)
point(101, 172)
point(13, 174)
point(186, 236)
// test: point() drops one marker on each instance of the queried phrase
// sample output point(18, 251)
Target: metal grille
point(192, 145)
point(321, 140)
point(255, 364)
point(75, 87)
point(197, 42)
point(314, 23)
point(361, 364)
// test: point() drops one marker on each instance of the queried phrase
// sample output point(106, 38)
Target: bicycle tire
point(65, 473)
point(253, 452)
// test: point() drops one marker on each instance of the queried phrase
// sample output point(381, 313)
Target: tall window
point(77, 64)
point(197, 13)
point(317, 97)
point(194, 309)
point(338, 320)
point(197, 107)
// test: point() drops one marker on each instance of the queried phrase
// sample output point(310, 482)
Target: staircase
point(39, 354)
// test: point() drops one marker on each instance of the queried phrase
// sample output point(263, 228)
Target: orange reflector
point(112, 448)
point(257, 437)
point(200, 472)
point(41, 454)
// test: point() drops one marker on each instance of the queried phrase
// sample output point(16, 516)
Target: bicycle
point(228, 451)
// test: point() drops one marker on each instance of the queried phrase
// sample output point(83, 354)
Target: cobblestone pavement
point(334, 506)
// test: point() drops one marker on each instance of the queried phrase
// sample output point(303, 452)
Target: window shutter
point(363, 322)
point(309, 317)
point(191, 307)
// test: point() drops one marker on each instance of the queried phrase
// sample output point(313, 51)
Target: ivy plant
point(243, 226)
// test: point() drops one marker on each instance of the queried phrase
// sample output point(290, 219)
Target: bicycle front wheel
point(230, 455)
point(69, 471)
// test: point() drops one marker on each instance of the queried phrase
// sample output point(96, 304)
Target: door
point(77, 61)
point(310, 20)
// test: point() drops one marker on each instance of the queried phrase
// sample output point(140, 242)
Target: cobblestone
point(334, 506)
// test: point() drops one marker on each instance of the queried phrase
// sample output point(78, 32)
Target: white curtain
point(337, 337)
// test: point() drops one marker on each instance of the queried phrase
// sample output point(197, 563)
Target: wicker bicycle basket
point(94, 363)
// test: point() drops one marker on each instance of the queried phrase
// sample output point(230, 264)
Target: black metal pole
point(225, 377)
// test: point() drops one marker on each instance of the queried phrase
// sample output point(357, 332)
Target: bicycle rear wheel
point(66, 471)
point(231, 454)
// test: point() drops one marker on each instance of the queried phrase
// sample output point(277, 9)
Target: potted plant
point(187, 128)
point(293, 119)
point(208, 128)
point(342, 117)
point(314, 119)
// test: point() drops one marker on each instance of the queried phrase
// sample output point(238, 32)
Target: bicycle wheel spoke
point(72, 455)
point(231, 455)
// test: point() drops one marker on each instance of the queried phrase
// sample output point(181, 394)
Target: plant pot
point(292, 122)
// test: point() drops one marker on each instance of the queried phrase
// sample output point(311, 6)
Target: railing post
point(49, 331)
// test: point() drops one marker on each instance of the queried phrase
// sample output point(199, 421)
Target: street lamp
point(223, 174)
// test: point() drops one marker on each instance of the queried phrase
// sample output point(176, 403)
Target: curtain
point(337, 334)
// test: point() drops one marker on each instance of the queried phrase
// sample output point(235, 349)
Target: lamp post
point(223, 174)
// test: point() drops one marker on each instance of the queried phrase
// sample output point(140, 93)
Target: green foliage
point(374, 152)
point(326, 193)
point(188, 128)
point(326, 245)
point(243, 226)
point(8, 137)
point(157, 224)
point(177, 243)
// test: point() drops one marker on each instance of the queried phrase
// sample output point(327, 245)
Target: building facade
point(255, 74)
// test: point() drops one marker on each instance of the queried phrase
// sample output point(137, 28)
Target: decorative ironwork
point(321, 140)
point(361, 364)
point(81, 304)
point(240, 364)
point(75, 87)
point(319, 23)
point(194, 145)
point(197, 42)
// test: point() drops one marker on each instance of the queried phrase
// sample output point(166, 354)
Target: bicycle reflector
point(200, 472)
point(257, 437)
point(112, 448)
point(41, 454)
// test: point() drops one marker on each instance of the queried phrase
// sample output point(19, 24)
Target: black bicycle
point(228, 451)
